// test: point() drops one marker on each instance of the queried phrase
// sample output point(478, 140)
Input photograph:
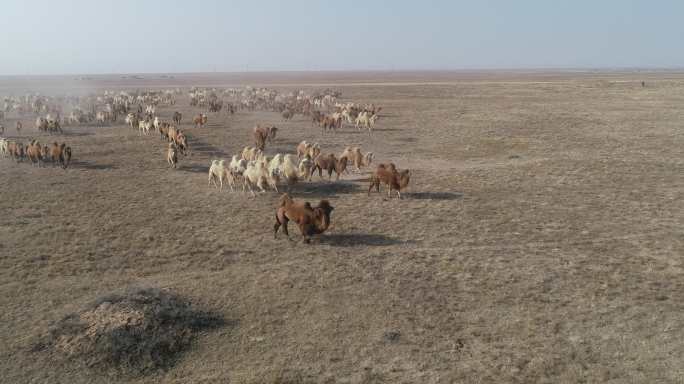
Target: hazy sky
point(127, 36)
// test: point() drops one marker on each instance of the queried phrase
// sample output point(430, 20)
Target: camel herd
point(252, 168)
point(57, 154)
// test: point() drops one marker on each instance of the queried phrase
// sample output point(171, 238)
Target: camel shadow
point(386, 129)
point(199, 146)
point(80, 164)
point(75, 134)
point(209, 150)
point(194, 168)
point(284, 149)
point(288, 143)
point(435, 195)
point(358, 239)
point(282, 146)
point(322, 189)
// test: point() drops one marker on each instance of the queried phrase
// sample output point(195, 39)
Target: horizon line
point(385, 70)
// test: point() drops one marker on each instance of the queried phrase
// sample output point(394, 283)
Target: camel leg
point(374, 183)
point(304, 231)
point(251, 187)
point(276, 226)
point(285, 230)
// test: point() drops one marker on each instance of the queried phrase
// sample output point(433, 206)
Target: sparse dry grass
point(540, 241)
point(136, 332)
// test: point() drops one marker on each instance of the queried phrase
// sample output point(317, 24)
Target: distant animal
point(34, 153)
point(41, 124)
point(331, 122)
point(57, 153)
point(286, 168)
point(9, 148)
point(316, 117)
point(200, 120)
point(366, 119)
point(291, 172)
point(389, 175)
point(262, 135)
point(328, 163)
point(235, 171)
point(252, 153)
point(177, 116)
point(164, 131)
point(54, 126)
point(217, 171)
point(172, 155)
point(156, 123)
point(182, 142)
point(256, 175)
point(310, 220)
point(132, 120)
point(237, 165)
point(305, 166)
point(16, 151)
point(66, 157)
point(171, 133)
point(45, 153)
point(144, 127)
point(357, 158)
point(340, 166)
point(3, 146)
point(101, 117)
point(260, 139)
point(311, 149)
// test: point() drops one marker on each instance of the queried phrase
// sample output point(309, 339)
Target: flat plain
point(540, 239)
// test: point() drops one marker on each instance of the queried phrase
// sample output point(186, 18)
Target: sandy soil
point(540, 240)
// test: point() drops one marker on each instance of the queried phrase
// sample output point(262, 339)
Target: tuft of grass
point(134, 333)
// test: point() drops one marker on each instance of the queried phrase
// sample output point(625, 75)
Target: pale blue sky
point(129, 36)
